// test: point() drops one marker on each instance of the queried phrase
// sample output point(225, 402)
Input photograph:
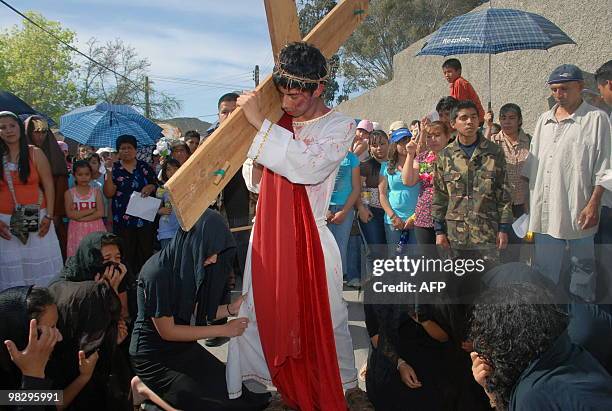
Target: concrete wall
point(517, 77)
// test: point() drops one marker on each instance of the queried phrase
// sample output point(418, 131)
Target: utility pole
point(147, 104)
point(256, 75)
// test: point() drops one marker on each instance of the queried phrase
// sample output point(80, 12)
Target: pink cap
point(366, 125)
point(62, 145)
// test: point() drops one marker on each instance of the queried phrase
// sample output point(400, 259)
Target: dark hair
point(302, 60)
point(452, 63)
point(439, 124)
point(93, 155)
point(514, 108)
point(375, 138)
point(510, 327)
point(126, 139)
point(37, 300)
point(175, 144)
point(229, 97)
point(81, 164)
point(111, 239)
point(393, 158)
point(164, 170)
point(446, 104)
point(413, 122)
point(604, 73)
point(192, 134)
point(23, 164)
point(462, 105)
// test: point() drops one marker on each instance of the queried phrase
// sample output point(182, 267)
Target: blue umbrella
point(100, 125)
point(494, 31)
point(12, 103)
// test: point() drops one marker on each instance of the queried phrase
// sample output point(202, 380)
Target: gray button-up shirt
point(566, 161)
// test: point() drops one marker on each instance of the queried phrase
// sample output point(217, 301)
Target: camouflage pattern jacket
point(471, 195)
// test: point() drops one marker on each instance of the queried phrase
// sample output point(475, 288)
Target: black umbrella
point(12, 103)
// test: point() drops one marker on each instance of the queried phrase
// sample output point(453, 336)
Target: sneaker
point(354, 283)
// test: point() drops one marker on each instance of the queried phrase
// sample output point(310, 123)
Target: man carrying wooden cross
point(298, 337)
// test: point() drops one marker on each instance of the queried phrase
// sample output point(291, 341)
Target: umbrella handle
point(489, 105)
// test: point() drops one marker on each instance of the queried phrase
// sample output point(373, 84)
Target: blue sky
point(208, 40)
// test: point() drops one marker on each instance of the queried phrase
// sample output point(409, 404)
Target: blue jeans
point(604, 234)
point(393, 237)
point(341, 233)
point(374, 236)
point(354, 257)
point(549, 253)
point(374, 230)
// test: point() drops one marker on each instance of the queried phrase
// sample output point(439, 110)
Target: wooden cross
point(200, 180)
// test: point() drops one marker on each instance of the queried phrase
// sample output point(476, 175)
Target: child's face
point(510, 122)
point(451, 74)
point(401, 146)
point(170, 170)
point(82, 176)
point(193, 143)
point(93, 162)
point(380, 149)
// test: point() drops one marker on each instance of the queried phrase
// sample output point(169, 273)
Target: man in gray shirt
point(569, 153)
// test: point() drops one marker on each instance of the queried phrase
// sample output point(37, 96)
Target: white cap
point(106, 150)
point(376, 125)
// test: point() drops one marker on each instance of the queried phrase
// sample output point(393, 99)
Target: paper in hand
point(143, 207)
point(521, 226)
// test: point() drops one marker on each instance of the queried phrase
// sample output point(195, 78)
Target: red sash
point(291, 296)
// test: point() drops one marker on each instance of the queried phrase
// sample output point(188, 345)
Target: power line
point(69, 46)
point(178, 80)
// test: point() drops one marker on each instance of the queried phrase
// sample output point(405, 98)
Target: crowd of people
point(109, 307)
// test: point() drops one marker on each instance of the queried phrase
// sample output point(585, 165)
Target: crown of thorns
point(280, 71)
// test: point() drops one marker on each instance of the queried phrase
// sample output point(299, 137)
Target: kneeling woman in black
point(187, 275)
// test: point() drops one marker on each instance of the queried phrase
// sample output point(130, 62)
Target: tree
point(310, 13)
point(390, 27)
point(38, 68)
point(127, 85)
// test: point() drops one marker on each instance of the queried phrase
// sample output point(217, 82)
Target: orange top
point(25, 193)
point(461, 89)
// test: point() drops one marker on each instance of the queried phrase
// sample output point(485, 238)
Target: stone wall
point(518, 77)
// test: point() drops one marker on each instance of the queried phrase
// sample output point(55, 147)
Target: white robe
point(312, 158)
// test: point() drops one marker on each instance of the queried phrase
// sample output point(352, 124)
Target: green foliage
point(390, 27)
point(37, 67)
point(98, 84)
point(310, 13)
point(53, 79)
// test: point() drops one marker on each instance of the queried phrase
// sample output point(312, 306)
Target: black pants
point(425, 236)
point(137, 245)
point(193, 379)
